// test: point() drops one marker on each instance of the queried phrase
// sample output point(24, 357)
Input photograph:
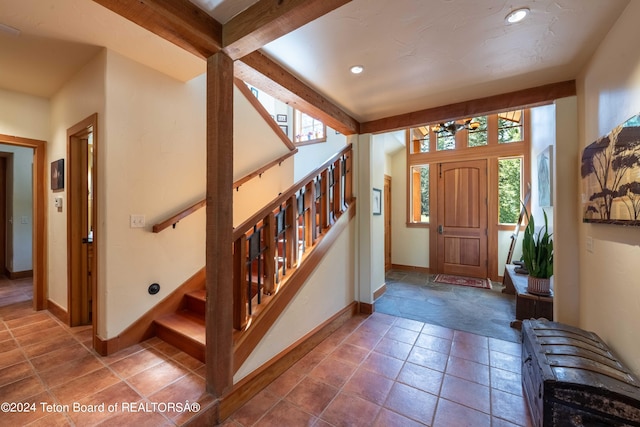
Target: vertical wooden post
point(337, 189)
point(269, 255)
point(240, 297)
point(348, 190)
point(324, 199)
point(219, 237)
point(291, 234)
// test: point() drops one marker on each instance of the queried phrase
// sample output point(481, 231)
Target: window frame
point(296, 119)
point(462, 152)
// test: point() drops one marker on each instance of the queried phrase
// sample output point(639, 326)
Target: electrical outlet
point(136, 221)
point(589, 244)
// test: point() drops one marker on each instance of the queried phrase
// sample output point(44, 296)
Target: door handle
point(440, 229)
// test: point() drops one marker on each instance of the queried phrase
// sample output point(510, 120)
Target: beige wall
point(608, 94)
point(79, 98)
point(328, 290)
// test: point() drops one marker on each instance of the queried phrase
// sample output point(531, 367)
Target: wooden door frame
point(39, 230)
point(75, 133)
point(387, 219)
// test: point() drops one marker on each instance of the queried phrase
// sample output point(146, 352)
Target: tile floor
point(47, 366)
point(377, 370)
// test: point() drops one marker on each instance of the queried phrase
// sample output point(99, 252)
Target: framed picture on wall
point(57, 175)
point(282, 118)
point(377, 201)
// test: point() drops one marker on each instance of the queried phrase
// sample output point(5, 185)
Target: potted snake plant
point(537, 254)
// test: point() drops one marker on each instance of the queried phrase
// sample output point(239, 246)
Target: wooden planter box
point(571, 378)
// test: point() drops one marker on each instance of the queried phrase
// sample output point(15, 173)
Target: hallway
point(377, 370)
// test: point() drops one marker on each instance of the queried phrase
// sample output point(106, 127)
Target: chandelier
point(453, 126)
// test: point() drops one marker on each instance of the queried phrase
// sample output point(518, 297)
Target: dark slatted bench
point(571, 378)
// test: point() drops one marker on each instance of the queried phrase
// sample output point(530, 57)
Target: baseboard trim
point(253, 383)
point(59, 312)
point(381, 290)
point(365, 308)
point(426, 270)
point(13, 275)
point(144, 328)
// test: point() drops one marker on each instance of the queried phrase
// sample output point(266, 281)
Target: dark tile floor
point(486, 312)
point(378, 370)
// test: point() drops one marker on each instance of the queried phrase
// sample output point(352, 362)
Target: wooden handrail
point(173, 220)
point(177, 217)
point(246, 225)
point(266, 167)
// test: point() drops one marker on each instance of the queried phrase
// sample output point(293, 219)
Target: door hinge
point(440, 165)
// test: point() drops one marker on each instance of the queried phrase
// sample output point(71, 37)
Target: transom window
point(499, 138)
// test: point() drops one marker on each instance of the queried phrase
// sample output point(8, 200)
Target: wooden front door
point(387, 223)
point(462, 218)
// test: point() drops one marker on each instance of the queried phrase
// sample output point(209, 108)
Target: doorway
point(81, 220)
point(3, 211)
point(462, 219)
point(39, 225)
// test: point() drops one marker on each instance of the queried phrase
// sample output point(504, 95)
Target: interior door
point(80, 291)
point(462, 218)
point(3, 220)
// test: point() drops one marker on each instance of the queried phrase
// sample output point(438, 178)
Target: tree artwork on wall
point(611, 176)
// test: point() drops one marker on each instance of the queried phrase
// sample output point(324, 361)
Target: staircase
point(185, 329)
point(268, 250)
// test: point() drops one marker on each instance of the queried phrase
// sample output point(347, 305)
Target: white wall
point(328, 290)
point(79, 98)
point(24, 116)
point(409, 245)
point(608, 94)
point(19, 215)
point(309, 157)
point(543, 135)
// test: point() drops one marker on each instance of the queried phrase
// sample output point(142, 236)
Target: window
point(509, 189)
point(510, 127)
point(308, 130)
point(420, 139)
point(420, 194)
point(479, 136)
point(445, 141)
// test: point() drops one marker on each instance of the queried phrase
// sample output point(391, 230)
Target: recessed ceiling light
point(517, 15)
point(9, 30)
point(356, 69)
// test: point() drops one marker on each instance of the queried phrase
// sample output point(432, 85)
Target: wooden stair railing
point(273, 241)
point(268, 249)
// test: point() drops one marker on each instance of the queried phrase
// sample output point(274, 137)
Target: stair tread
point(186, 323)
point(200, 294)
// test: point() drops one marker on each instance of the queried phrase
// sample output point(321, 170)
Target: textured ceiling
point(417, 54)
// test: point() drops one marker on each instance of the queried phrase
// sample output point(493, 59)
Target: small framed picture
point(285, 129)
point(57, 175)
point(254, 91)
point(282, 118)
point(377, 201)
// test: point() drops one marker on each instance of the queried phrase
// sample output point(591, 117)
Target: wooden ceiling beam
point(525, 98)
point(268, 20)
point(260, 71)
point(178, 21)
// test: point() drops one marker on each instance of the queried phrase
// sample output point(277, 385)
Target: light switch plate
point(136, 221)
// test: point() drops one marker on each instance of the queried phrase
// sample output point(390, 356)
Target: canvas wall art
point(610, 171)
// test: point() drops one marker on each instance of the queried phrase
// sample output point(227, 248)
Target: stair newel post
point(240, 299)
point(269, 255)
point(291, 233)
point(337, 188)
point(310, 214)
point(324, 199)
